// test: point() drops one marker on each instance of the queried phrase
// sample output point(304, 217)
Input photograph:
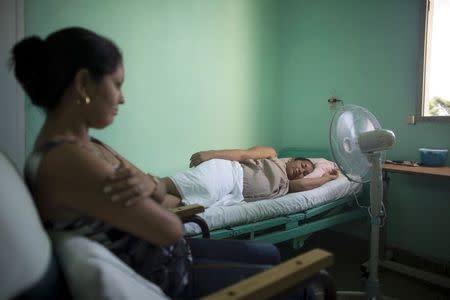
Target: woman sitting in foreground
point(227, 177)
point(76, 76)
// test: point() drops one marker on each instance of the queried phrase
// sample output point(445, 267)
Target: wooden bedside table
point(386, 262)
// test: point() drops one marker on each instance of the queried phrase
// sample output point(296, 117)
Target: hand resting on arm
point(129, 185)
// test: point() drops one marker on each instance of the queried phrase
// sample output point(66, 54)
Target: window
point(435, 98)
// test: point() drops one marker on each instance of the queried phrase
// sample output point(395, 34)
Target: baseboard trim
point(432, 278)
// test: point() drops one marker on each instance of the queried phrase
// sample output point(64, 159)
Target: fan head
point(349, 123)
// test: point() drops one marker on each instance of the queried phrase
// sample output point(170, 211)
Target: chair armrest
point(187, 210)
point(188, 214)
point(277, 279)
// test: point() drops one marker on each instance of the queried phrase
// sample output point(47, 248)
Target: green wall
point(199, 74)
point(205, 74)
point(367, 53)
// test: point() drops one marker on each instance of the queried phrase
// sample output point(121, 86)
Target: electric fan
point(357, 144)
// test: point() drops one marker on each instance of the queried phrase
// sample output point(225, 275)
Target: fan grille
point(347, 124)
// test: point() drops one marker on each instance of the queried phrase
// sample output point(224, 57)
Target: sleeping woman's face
point(297, 169)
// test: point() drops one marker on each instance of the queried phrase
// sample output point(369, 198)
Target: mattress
point(246, 213)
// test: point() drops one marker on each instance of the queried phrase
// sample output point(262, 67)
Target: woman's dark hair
point(45, 68)
point(307, 159)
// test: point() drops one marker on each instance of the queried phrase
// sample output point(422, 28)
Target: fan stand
point(373, 291)
point(376, 192)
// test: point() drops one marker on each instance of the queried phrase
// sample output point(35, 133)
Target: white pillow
point(93, 272)
point(321, 166)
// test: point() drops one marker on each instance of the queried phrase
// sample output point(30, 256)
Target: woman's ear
point(81, 81)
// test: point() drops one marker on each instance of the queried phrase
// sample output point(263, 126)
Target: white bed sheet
point(245, 213)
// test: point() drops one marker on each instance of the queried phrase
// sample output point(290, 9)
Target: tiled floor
point(349, 253)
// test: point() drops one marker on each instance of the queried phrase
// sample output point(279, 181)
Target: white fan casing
point(376, 140)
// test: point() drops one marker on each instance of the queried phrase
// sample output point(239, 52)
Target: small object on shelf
point(402, 162)
point(433, 157)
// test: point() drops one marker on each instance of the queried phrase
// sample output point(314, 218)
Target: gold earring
point(87, 100)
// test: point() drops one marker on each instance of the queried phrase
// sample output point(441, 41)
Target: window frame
point(423, 67)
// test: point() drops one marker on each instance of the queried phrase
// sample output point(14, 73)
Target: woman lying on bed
point(226, 177)
point(76, 76)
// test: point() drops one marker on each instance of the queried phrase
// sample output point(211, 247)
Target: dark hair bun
point(28, 57)
point(46, 68)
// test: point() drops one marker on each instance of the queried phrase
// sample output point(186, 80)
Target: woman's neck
point(60, 125)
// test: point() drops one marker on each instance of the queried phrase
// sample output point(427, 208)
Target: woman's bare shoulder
point(67, 170)
point(74, 158)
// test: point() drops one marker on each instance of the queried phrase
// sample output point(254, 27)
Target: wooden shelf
point(438, 171)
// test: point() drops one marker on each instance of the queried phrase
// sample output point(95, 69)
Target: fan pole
point(376, 188)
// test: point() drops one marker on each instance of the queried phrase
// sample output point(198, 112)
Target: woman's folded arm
point(74, 180)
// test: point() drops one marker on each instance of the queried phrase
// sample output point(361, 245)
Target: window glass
point(436, 77)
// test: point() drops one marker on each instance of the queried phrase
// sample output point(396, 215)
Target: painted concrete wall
point(199, 74)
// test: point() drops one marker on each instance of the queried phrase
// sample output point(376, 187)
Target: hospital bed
point(293, 217)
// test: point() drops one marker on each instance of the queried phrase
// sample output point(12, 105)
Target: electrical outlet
point(332, 103)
